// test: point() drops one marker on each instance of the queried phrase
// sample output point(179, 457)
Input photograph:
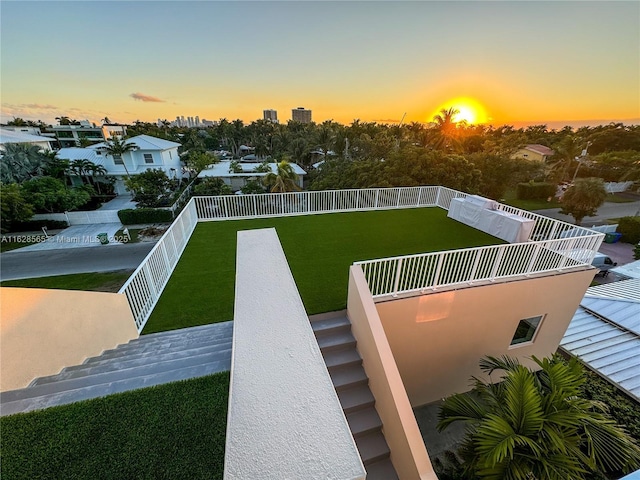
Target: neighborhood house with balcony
point(149, 153)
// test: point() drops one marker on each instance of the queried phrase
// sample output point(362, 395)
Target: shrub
point(536, 190)
point(14, 207)
point(629, 227)
point(144, 215)
point(212, 186)
point(32, 225)
point(151, 188)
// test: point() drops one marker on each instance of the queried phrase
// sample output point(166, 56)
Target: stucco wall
point(408, 453)
point(43, 331)
point(437, 339)
point(284, 420)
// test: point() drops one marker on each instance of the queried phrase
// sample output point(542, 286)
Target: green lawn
point(98, 282)
point(172, 431)
point(319, 249)
point(8, 242)
point(510, 198)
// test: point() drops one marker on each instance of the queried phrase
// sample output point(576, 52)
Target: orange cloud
point(145, 98)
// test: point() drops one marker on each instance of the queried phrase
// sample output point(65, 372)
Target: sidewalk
point(607, 211)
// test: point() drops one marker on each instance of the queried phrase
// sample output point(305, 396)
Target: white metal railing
point(144, 287)
point(554, 245)
point(412, 274)
point(304, 203)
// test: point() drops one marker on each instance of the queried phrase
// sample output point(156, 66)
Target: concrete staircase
point(338, 346)
point(148, 360)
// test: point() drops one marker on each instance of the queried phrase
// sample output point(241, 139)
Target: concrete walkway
point(78, 236)
point(121, 202)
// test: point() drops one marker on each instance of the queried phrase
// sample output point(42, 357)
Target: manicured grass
point(319, 249)
point(172, 431)
point(510, 198)
point(616, 198)
point(98, 282)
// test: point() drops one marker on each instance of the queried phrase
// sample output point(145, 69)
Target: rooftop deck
point(319, 248)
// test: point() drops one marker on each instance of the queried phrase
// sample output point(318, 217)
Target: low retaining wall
point(42, 331)
point(408, 453)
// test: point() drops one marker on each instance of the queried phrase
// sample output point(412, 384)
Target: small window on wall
point(526, 331)
point(117, 160)
point(148, 158)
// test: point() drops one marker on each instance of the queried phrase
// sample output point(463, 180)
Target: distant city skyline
point(517, 63)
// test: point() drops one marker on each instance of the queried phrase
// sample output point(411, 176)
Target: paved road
point(16, 265)
point(606, 211)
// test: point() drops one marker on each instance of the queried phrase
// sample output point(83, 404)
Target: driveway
point(78, 236)
point(121, 202)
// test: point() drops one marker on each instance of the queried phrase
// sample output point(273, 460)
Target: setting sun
point(469, 110)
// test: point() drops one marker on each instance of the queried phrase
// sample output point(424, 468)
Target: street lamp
point(579, 160)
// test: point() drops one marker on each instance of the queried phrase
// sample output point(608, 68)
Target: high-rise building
point(301, 115)
point(270, 115)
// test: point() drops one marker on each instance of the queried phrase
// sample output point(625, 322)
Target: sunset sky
point(515, 62)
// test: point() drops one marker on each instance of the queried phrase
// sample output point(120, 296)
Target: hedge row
point(629, 227)
point(145, 215)
point(536, 191)
point(32, 225)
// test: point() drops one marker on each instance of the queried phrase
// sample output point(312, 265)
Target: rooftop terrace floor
point(319, 249)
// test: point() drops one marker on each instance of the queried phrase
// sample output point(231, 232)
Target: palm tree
point(568, 150)
point(22, 161)
point(583, 198)
point(536, 426)
point(117, 147)
point(446, 129)
point(284, 180)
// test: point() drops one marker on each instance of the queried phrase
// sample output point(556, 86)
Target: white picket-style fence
point(81, 217)
point(605, 228)
point(617, 187)
point(554, 245)
point(144, 287)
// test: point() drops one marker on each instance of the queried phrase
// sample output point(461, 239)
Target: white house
point(12, 136)
point(238, 180)
point(150, 153)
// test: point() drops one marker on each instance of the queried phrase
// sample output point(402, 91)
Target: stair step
point(381, 470)
point(342, 357)
point(127, 364)
point(114, 376)
point(331, 325)
point(355, 398)
point(362, 422)
point(336, 341)
point(94, 391)
point(348, 376)
point(177, 346)
point(372, 447)
point(95, 361)
point(224, 328)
